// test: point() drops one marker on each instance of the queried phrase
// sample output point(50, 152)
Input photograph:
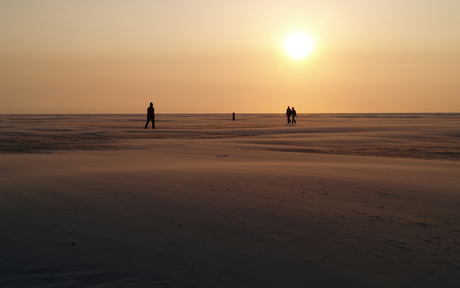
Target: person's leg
point(148, 119)
point(153, 123)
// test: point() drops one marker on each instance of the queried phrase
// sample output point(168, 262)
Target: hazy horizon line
point(229, 113)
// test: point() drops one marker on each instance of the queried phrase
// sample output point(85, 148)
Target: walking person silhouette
point(293, 114)
point(288, 114)
point(150, 116)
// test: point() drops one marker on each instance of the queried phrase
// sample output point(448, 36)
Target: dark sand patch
point(174, 214)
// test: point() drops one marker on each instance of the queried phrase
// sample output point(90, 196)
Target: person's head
point(288, 107)
point(151, 104)
point(292, 108)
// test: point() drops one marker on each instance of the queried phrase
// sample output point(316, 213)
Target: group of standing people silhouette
point(290, 112)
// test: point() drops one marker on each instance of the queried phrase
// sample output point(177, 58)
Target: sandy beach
point(337, 200)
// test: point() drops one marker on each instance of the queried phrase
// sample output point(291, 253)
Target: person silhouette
point(293, 114)
point(288, 114)
point(150, 116)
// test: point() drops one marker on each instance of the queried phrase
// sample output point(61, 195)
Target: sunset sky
point(206, 56)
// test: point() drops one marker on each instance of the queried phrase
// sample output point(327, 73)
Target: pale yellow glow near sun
point(298, 45)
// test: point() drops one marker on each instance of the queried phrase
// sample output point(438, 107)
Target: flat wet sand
point(203, 201)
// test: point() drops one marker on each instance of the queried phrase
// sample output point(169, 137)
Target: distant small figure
point(288, 114)
point(293, 114)
point(150, 116)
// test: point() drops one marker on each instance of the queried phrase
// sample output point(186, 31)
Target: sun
point(298, 45)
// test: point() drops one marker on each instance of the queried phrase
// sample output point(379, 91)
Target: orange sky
point(215, 57)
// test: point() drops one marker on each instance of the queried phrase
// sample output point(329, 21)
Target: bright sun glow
point(298, 45)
